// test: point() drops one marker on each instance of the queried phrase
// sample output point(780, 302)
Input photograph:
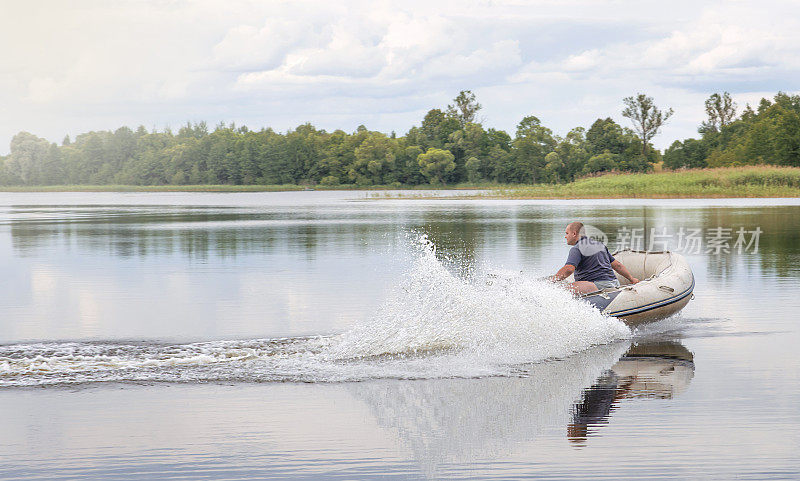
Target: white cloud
point(385, 53)
point(346, 55)
point(586, 60)
point(712, 48)
point(499, 57)
point(265, 48)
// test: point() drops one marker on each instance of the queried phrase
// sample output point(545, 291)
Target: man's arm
point(563, 273)
point(623, 271)
point(573, 259)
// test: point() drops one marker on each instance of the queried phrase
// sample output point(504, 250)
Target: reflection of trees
point(460, 233)
point(658, 370)
point(545, 226)
point(778, 248)
point(198, 234)
point(457, 235)
point(532, 232)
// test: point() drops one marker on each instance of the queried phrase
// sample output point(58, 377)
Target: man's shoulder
point(574, 256)
point(575, 248)
point(589, 246)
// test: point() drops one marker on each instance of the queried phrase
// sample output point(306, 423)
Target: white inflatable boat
point(665, 287)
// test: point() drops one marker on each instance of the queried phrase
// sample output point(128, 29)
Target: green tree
point(690, 153)
point(435, 163)
point(501, 165)
point(464, 107)
point(647, 119)
point(304, 149)
point(220, 161)
point(572, 150)
point(275, 163)
point(374, 160)
point(330, 180)
point(554, 167)
point(758, 146)
point(409, 165)
point(721, 110)
point(607, 135)
point(52, 167)
point(533, 141)
point(27, 157)
point(787, 129)
point(469, 141)
point(473, 167)
point(436, 129)
point(605, 162)
point(787, 140)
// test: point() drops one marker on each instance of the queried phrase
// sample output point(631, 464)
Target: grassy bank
point(755, 181)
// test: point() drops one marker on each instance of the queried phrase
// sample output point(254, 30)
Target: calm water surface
point(329, 335)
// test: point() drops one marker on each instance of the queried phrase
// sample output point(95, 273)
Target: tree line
point(769, 134)
point(449, 146)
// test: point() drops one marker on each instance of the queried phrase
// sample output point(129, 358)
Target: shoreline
point(732, 182)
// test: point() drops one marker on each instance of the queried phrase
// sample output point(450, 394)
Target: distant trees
point(769, 134)
point(690, 153)
point(611, 147)
point(448, 146)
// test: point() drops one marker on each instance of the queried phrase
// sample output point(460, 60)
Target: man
point(591, 263)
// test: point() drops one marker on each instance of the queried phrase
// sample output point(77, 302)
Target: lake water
point(332, 335)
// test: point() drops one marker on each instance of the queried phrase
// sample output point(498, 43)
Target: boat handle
point(666, 288)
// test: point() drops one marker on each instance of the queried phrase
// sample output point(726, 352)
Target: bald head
point(575, 227)
point(573, 233)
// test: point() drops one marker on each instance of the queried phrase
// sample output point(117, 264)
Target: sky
point(72, 67)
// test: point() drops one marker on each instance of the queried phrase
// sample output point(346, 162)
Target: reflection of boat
point(665, 288)
point(442, 421)
point(658, 370)
point(458, 420)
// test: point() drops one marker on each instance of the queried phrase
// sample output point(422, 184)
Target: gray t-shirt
point(592, 261)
